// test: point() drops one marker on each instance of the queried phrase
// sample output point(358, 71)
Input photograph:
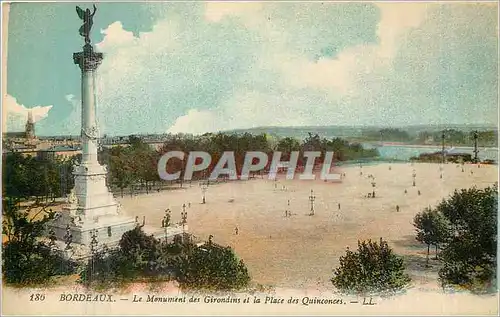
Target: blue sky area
point(203, 67)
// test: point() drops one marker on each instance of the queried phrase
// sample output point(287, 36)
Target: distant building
point(22, 137)
point(59, 151)
point(24, 150)
point(30, 127)
point(450, 156)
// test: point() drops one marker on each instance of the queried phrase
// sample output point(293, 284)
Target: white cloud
point(17, 114)
point(395, 20)
point(250, 12)
point(343, 73)
point(240, 65)
point(195, 122)
point(72, 123)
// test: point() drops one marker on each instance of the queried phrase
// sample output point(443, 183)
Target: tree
point(470, 255)
point(26, 259)
point(432, 229)
point(213, 267)
point(120, 172)
point(374, 268)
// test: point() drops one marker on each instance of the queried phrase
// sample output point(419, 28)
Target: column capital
point(88, 60)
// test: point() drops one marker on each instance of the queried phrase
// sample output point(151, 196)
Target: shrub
point(213, 267)
point(33, 266)
point(374, 268)
point(142, 256)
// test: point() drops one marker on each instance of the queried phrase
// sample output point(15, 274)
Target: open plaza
point(290, 237)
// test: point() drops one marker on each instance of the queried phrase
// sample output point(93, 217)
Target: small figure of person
point(419, 192)
point(397, 208)
point(236, 230)
point(189, 205)
point(339, 206)
point(406, 192)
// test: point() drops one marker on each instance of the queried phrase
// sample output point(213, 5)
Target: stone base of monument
point(159, 233)
point(108, 229)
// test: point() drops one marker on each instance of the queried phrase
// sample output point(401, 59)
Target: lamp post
point(68, 237)
point(184, 218)
point(475, 135)
point(166, 223)
point(52, 238)
point(312, 198)
point(442, 148)
point(93, 241)
point(93, 251)
point(204, 187)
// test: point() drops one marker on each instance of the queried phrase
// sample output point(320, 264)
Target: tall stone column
point(89, 61)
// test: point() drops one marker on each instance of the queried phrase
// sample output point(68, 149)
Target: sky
point(210, 66)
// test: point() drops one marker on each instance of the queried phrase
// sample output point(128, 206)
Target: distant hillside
point(354, 131)
point(347, 132)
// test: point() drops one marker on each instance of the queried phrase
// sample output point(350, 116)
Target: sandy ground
point(297, 254)
point(302, 250)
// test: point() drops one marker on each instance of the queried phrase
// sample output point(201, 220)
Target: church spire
point(30, 126)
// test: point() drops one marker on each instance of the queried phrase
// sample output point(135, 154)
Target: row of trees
point(456, 137)
point(137, 163)
point(452, 137)
point(464, 228)
point(387, 134)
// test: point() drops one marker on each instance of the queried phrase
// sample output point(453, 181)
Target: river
point(405, 152)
